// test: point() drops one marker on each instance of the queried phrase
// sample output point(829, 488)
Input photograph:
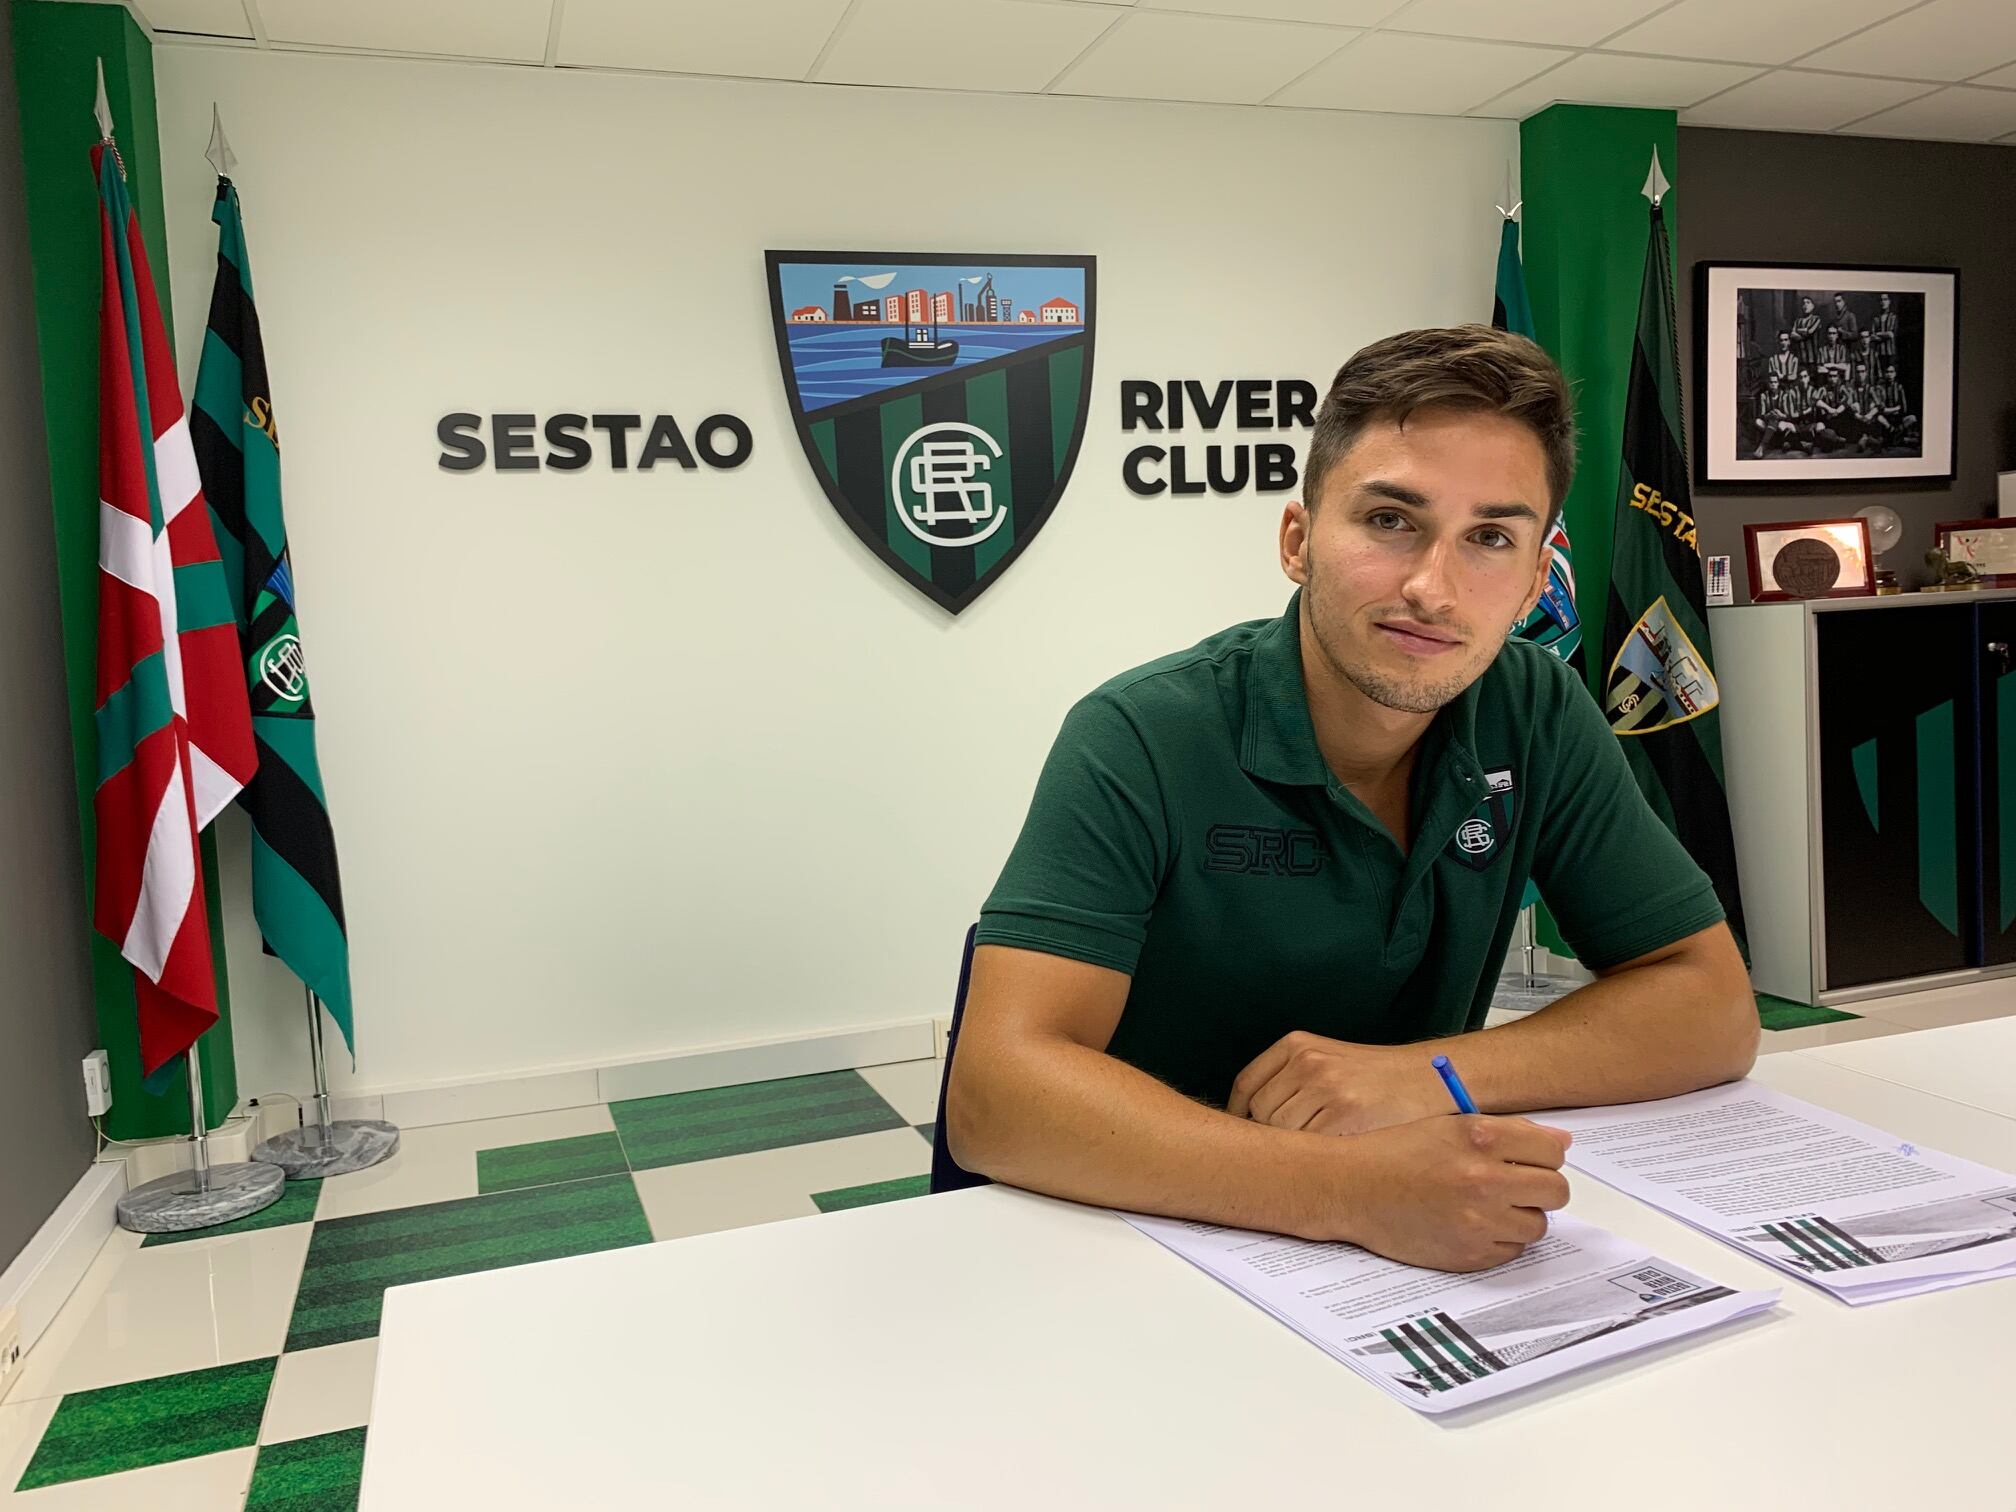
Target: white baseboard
point(416, 1107)
point(44, 1274)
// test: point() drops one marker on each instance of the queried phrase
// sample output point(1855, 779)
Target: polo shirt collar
point(1279, 740)
point(1278, 743)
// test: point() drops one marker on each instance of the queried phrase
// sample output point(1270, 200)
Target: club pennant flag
point(297, 898)
point(174, 730)
point(1554, 621)
point(1659, 688)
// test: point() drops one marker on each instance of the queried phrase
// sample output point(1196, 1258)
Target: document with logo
point(1861, 1213)
point(1439, 1341)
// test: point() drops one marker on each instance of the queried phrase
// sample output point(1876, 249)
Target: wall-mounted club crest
point(940, 399)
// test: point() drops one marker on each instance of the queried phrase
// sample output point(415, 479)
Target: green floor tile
point(511, 1167)
point(143, 1423)
point(352, 1260)
point(688, 1126)
point(873, 1192)
point(1782, 1013)
point(319, 1474)
point(929, 1131)
point(296, 1205)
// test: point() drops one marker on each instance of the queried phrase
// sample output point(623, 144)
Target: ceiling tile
point(1790, 101)
point(1610, 79)
point(1947, 39)
point(210, 18)
point(1959, 114)
point(1729, 29)
point(933, 42)
point(779, 39)
point(1568, 23)
point(1323, 12)
point(454, 28)
point(1164, 55)
point(2001, 78)
point(1417, 75)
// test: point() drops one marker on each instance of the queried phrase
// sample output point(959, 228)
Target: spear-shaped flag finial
point(103, 108)
point(222, 158)
point(1656, 183)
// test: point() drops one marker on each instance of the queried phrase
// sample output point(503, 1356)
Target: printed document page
point(1438, 1340)
point(1862, 1213)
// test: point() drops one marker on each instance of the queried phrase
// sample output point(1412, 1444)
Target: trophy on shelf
point(1885, 531)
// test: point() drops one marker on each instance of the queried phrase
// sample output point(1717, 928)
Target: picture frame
point(1776, 577)
point(1988, 545)
point(1781, 395)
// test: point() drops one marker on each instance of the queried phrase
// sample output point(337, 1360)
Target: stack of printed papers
point(1863, 1214)
point(1437, 1340)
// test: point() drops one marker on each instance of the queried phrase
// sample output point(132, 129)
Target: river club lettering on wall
point(1177, 404)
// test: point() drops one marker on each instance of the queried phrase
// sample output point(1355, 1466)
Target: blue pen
point(1455, 1084)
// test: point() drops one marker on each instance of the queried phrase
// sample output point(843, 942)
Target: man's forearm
point(1061, 1118)
point(1655, 1031)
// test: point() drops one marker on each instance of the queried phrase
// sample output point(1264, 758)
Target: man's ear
point(1295, 524)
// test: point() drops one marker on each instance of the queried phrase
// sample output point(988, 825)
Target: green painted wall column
point(1583, 239)
point(55, 48)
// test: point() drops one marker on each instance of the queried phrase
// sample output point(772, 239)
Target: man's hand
point(1327, 1086)
point(1461, 1193)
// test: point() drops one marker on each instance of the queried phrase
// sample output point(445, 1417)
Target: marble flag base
point(1518, 993)
point(348, 1144)
point(182, 1201)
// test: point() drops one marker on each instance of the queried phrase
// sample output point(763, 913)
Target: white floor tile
point(438, 1164)
point(68, 1324)
point(21, 1428)
point(910, 1087)
point(739, 1190)
point(173, 1308)
point(1844, 1032)
point(1944, 1005)
point(209, 1483)
point(320, 1391)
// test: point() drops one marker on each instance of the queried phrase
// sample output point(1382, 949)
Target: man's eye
point(1494, 538)
point(1387, 519)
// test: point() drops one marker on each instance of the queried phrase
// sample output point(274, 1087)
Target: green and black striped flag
point(1659, 688)
point(296, 896)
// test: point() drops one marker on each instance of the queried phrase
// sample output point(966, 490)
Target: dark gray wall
point(1779, 197)
point(47, 1022)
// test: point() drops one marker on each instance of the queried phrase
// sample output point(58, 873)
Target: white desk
point(998, 1350)
point(1968, 1063)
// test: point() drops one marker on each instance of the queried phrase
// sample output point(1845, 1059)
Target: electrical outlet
point(97, 1084)
point(10, 1346)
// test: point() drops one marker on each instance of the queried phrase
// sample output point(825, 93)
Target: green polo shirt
point(1186, 831)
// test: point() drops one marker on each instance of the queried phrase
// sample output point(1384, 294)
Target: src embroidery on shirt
point(1251, 849)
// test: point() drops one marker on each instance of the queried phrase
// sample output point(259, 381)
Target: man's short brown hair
point(1466, 367)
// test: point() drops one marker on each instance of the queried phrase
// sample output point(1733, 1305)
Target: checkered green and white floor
point(232, 1370)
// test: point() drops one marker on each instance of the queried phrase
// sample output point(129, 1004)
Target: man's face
point(1833, 333)
point(1774, 383)
point(1805, 307)
point(1784, 340)
point(1886, 300)
point(1423, 553)
point(1861, 373)
point(1840, 301)
point(1890, 373)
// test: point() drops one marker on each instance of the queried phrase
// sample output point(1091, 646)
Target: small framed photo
point(1823, 375)
point(1988, 546)
point(1809, 559)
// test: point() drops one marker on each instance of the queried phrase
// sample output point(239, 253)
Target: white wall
point(624, 764)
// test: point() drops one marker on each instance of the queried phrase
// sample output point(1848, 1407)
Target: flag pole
point(329, 1146)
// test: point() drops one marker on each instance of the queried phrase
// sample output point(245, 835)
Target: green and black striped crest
point(940, 399)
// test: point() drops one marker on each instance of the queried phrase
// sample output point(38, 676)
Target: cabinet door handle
point(2001, 649)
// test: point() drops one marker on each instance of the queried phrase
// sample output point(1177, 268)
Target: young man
point(1806, 332)
point(1867, 408)
point(1883, 325)
point(1257, 874)
point(1784, 363)
point(1895, 407)
point(1833, 361)
point(1844, 318)
point(1776, 423)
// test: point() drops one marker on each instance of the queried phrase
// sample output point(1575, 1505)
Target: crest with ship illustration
point(940, 398)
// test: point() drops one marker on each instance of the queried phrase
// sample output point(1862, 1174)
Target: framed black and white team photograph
point(1814, 375)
